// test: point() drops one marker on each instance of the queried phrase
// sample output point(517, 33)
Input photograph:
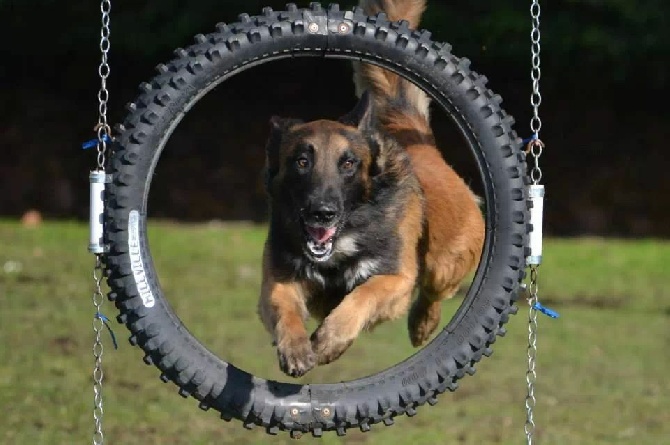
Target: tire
point(318, 407)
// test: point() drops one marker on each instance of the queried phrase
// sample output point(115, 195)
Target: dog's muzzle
point(320, 225)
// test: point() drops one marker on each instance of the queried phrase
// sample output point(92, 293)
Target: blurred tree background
point(605, 67)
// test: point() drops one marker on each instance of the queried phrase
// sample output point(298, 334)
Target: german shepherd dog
point(362, 211)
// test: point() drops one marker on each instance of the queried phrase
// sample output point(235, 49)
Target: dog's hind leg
point(453, 238)
point(425, 313)
point(441, 279)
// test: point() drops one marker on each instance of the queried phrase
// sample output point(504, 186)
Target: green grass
point(603, 366)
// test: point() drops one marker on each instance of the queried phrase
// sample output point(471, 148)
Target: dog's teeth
point(320, 251)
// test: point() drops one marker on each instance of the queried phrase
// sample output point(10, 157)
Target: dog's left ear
point(362, 116)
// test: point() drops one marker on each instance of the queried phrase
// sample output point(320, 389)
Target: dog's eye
point(302, 162)
point(348, 164)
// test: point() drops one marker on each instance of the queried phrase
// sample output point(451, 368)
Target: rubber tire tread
point(316, 408)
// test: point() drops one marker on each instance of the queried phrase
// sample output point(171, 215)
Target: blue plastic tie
point(527, 140)
point(545, 310)
point(94, 142)
point(105, 321)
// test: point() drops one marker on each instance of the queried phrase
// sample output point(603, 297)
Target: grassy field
point(603, 366)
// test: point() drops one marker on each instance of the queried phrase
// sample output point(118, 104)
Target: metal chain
point(535, 73)
point(104, 135)
point(103, 130)
point(98, 325)
point(534, 149)
point(531, 375)
point(535, 146)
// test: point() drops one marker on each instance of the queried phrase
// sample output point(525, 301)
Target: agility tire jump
point(335, 34)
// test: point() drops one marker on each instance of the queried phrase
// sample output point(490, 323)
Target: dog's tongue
point(321, 234)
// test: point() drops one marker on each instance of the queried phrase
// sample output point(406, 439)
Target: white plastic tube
point(536, 197)
point(97, 179)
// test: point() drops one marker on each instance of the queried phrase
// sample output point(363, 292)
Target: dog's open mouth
point(320, 241)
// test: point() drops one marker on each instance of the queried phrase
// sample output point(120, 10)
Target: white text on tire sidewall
point(136, 264)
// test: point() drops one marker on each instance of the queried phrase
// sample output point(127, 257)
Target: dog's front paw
point(296, 357)
point(329, 344)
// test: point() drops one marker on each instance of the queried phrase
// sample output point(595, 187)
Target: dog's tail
point(399, 104)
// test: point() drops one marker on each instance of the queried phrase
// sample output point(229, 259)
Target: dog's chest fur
point(355, 259)
point(329, 285)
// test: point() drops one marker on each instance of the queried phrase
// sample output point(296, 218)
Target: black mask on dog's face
point(318, 172)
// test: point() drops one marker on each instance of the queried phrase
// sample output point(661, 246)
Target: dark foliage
point(605, 71)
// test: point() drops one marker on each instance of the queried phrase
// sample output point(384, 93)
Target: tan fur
point(455, 226)
point(383, 84)
point(454, 235)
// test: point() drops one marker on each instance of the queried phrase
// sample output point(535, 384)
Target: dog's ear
point(278, 127)
point(281, 124)
point(362, 116)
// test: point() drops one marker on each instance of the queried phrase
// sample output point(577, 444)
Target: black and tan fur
point(358, 208)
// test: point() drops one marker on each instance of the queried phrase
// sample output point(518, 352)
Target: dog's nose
point(323, 213)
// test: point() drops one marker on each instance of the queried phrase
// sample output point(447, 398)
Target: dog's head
point(319, 172)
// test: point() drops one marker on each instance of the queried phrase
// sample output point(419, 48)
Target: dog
point(363, 210)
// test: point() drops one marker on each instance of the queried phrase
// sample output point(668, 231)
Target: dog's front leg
point(381, 298)
point(282, 310)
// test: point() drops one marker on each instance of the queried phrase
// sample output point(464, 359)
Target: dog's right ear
point(362, 116)
point(278, 128)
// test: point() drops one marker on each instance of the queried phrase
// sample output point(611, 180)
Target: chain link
point(534, 149)
point(98, 325)
point(102, 128)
